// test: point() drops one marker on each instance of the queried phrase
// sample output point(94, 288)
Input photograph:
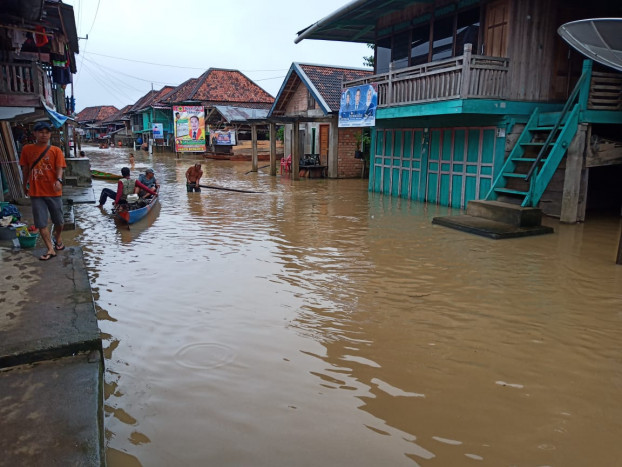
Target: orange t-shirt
point(43, 176)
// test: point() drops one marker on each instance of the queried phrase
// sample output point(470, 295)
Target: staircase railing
point(575, 95)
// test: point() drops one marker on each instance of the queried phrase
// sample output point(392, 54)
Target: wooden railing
point(466, 76)
point(21, 78)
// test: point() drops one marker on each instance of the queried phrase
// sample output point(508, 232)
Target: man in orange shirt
point(42, 167)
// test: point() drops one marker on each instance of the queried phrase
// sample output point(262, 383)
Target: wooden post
point(272, 149)
point(66, 134)
point(619, 259)
point(572, 177)
point(390, 85)
point(333, 149)
point(296, 151)
point(466, 71)
point(254, 143)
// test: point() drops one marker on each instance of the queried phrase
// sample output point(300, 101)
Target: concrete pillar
point(573, 177)
point(254, 143)
point(296, 151)
point(333, 149)
point(272, 149)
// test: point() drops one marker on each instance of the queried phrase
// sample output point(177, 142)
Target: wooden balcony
point(24, 84)
point(465, 77)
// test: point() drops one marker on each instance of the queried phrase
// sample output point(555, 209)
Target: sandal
point(46, 257)
point(59, 246)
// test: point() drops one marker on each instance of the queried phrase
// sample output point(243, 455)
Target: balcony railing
point(25, 84)
point(463, 77)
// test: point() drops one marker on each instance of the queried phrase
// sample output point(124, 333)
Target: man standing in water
point(193, 178)
point(42, 166)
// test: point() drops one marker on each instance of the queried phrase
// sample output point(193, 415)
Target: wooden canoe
point(136, 213)
point(105, 175)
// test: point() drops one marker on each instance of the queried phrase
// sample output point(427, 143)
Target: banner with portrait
point(224, 137)
point(158, 130)
point(358, 106)
point(189, 125)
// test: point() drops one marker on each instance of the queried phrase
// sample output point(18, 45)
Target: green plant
point(369, 60)
point(280, 133)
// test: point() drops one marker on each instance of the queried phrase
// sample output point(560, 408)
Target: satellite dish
point(599, 39)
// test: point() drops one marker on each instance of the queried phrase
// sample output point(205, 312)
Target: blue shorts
point(41, 205)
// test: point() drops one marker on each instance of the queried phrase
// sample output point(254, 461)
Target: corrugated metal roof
point(354, 22)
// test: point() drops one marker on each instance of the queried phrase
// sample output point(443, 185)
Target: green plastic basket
point(28, 242)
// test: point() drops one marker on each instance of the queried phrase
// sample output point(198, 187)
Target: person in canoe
point(126, 186)
point(148, 179)
point(193, 178)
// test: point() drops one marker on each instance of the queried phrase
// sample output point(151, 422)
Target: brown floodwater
point(316, 323)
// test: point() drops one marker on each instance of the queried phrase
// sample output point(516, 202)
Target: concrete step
point(489, 228)
point(507, 213)
point(68, 217)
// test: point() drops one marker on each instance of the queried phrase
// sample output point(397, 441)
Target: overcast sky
point(133, 43)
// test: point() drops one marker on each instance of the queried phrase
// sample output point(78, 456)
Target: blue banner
point(358, 106)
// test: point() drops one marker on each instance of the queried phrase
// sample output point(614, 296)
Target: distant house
point(476, 102)
point(308, 103)
point(118, 127)
point(149, 109)
point(93, 121)
point(221, 91)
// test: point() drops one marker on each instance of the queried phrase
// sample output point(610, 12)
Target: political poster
point(358, 106)
point(158, 131)
point(189, 124)
point(224, 138)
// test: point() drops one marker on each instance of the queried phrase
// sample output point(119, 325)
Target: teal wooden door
point(447, 166)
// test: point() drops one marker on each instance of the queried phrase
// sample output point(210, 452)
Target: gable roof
point(118, 116)
point(323, 82)
point(151, 98)
point(222, 86)
point(97, 113)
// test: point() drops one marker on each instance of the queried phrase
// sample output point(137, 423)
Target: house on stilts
point(482, 106)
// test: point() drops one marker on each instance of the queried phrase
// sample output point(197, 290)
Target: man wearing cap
point(148, 179)
point(42, 168)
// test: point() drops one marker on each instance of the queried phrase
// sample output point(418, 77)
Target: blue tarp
point(57, 119)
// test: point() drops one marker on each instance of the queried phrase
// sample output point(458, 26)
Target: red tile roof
point(151, 98)
point(96, 114)
point(221, 86)
point(327, 80)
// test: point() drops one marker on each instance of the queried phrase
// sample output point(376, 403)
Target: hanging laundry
point(17, 39)
point(40, 39)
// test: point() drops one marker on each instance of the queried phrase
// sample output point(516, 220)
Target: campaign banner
point(189, 124)
point(224, 138)
point(158, 131)
point(358, 106)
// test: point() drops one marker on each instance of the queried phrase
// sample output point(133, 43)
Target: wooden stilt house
point(482, 100)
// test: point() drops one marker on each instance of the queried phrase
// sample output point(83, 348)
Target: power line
point(176, 66)
point(124, 74)
point(93, 23)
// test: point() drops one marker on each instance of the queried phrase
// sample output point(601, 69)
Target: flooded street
point(318, 324)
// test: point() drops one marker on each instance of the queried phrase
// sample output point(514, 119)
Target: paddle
point(258, 168)
point(229, 189)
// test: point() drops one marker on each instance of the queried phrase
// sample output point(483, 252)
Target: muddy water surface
point(319, 324)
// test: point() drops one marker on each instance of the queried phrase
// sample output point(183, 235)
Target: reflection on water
point(319, 324)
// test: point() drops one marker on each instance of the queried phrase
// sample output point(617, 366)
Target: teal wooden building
point(482, 100)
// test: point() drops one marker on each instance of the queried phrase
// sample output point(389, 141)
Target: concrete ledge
point(505, 212)
point(47, 307)
point(489, 228)
point(52, 412)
